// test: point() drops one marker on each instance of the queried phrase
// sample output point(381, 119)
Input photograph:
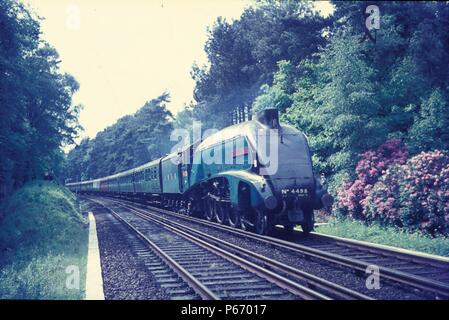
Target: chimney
point(269, 117)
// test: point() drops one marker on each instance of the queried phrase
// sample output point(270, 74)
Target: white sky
point(124, 53)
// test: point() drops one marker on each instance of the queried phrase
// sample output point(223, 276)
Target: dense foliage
point(357, 93)
point(132, 141)
point(36, 111)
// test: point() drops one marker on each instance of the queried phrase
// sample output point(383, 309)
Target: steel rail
point(387, 251)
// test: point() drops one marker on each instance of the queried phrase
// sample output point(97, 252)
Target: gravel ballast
point(125, 277)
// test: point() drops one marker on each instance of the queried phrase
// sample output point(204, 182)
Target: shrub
point(372, 164)
point(415, 195)
point(382, 203)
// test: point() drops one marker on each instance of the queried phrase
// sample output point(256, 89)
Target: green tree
point(430, 129)
point(279, 95)
point(132, 141)
point(36, 112)
point(243, 56)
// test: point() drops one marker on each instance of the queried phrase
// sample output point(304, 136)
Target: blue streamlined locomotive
point(236, 188)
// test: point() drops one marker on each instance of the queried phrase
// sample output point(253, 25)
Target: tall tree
point(36, 111)
point(132, 141)
point(243, 56)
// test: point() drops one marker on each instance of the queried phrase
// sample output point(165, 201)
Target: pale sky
point(124, 53)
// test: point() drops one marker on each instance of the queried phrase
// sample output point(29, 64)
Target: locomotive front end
point(297, 189)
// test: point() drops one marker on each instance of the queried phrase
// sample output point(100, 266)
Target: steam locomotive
point(229, 178)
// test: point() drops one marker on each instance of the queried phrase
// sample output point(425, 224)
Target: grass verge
point(43, 243)
point(386, 235)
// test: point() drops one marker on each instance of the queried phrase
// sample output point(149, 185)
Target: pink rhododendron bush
point(411, 194)
point(414, 195)
point(371, 166)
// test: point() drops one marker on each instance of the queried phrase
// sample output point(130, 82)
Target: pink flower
point(412, 193)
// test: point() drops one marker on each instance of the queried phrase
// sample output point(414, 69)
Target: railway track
point(422, 272)
point(216, 269)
